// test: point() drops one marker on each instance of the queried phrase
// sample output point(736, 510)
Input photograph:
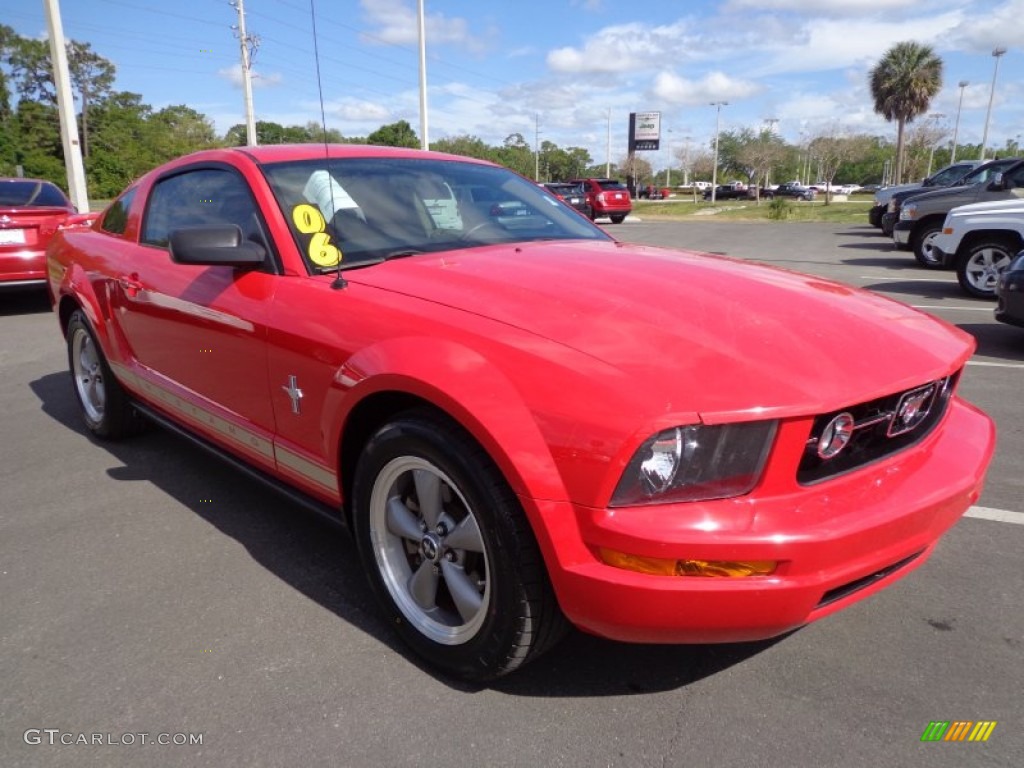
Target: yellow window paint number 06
point(309, 221)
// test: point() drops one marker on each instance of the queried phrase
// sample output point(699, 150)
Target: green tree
point(398, 134)
point(92, 76)
point(466, 146)
point(903, 84)
point(179, 129)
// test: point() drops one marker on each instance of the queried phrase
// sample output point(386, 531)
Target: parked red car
point(522, 420)
point(31, 210)
point(608, 198)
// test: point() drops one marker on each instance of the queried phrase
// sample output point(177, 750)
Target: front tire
point(106, 408)
point(449, 553)
point(923, 244)
point(978, 271)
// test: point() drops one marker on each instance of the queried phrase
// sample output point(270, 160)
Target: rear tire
point(617, 218)
point(106, 408)
point(922, 243)
point(979, 269)
point(449, 553)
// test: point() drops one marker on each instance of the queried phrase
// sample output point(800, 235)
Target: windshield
point(985, 172)
point(948, 176)
point(19, 193)
point(364, 210)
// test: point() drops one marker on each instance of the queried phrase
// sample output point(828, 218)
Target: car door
point(197, 334)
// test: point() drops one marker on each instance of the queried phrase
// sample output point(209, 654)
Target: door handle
point(130, 283)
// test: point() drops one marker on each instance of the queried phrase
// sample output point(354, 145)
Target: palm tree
point(903, 84)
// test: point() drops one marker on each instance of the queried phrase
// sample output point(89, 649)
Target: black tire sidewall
point(485, 655)
point(918, 245)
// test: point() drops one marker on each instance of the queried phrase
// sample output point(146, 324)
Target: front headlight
point(696, 463)
point(908, 211)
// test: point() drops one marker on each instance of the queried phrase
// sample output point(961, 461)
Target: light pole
point(718, 124)
point(668, 168)
point(996, 54)
point(936, 116)
point(956, 127)
point(770, 122)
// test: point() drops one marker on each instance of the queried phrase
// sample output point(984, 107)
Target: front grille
point(866, 581)
point(878, 430)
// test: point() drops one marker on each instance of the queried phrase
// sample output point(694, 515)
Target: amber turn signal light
point(736, 569)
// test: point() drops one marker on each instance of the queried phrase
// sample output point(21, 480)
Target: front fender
point(464, 384)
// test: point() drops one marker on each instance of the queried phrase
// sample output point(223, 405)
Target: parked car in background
point(794, 189)
point(572, 194)
point(652, 192)
point(977, 175)
point(980, 241)
point(1010, 293)
point(525, 423)
point(921, 215)
point(607, 198)
point(31, 210)
point(941, 178)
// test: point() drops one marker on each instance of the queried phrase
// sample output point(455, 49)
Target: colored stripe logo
point(958, 730)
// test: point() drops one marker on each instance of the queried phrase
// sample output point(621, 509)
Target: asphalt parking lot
point(148, 589)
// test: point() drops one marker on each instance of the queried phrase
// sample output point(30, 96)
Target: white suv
point(980, 240)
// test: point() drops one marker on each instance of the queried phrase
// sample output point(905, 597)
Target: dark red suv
point(607, 197)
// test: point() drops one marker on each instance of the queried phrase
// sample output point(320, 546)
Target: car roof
point(278, 153)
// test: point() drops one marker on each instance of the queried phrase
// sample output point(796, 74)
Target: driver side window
point(207, 197)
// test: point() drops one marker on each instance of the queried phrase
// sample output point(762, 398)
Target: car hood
point(942, 193)
point(1012, 206)
point(726, 338)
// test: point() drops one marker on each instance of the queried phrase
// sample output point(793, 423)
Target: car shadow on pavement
point(320, 561)
point(27, 302)
point(889, 262)
point(882, 246)
point(1005, 342)
point(927, 289)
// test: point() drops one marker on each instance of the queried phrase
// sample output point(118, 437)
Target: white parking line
point(959, 309)
point(999, 515)
point(986, 364)
point(907, 278)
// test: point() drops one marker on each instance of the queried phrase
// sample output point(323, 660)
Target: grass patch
point(853, 212)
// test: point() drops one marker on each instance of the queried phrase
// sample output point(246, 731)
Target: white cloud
point(623, 48)
point(1000, 26)
point(358, 111)
point(715, 86)
point(824, 7)
point(397, 22)
point(233, 75)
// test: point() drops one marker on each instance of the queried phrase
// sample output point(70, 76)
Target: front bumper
point(836, 542)
point(901, 232)
point(1010, 299)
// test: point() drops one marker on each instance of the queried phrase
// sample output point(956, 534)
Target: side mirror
point(215, 246)
point(998, 182)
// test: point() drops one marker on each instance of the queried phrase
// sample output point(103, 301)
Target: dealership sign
point(644, 131)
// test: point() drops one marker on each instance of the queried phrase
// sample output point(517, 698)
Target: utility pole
point(66, 108)
point(956, 128)
point(536, 147)
point(771, 122)
point(246, 42)
point(608, 148)
point(718, 124)
point(424, 136)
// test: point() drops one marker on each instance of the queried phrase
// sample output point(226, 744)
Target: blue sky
point(501, 66)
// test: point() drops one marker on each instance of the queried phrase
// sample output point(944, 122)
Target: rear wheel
point(979, 269)
point(106, 408)
point(449, 552)
point(923, 243)
point(617, 218)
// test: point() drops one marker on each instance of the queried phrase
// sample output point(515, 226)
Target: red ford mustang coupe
point(524, 422)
